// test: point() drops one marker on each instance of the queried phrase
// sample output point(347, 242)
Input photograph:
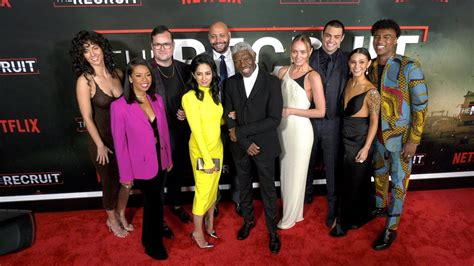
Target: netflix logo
point(463, 157)
point(5, 4)
point(30, 179)
point(190, 2)
point(29, 125)
point(18, 66)
point(96, 3)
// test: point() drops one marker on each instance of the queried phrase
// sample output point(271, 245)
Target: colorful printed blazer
point(404, 101)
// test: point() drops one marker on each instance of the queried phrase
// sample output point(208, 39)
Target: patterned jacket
point(404, 101)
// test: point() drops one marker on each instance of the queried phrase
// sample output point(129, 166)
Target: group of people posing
point(363, 116)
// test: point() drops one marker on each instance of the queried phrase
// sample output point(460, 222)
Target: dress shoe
point(157, 253)
point(238, 209)
point(337, 230)
point(167, 233)
point(274, 244)
point(385, 239)
point(216, 210)
point(182, 215)
point(245, 230)
point(354, 226)
point(379, 212)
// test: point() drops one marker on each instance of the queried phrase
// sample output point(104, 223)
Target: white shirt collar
point(249, 82)
point(228, 61)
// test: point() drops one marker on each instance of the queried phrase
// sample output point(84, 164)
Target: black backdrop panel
point(43, 143)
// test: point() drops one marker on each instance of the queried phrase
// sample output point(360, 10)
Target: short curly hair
point(80, 66)
point(386, 24)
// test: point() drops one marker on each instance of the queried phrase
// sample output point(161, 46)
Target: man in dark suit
point(331, 64)
point(219, 39)
point(253, 109)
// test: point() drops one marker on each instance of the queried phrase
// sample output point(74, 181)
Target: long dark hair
point(128, 92)
point(80, 66)
point(360, 50)
point(192, 83)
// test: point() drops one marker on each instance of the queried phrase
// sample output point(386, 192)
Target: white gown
point(296, 139)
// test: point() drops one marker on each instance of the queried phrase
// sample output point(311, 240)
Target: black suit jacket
point(342, 72)
point(258, 116)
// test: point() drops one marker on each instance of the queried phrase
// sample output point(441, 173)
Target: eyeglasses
point(159, 46)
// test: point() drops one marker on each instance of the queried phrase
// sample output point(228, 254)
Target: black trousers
point(175, 178)
point(152, 191)
point(266, 177)
point(327, 138)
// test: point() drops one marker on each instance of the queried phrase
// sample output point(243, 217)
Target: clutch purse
point(200, 164)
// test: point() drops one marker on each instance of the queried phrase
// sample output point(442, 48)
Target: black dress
point(108, 173)
point(356, 194)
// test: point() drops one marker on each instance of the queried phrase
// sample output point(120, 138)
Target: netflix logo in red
point(18, 66)
point(190, 2)
point(5, 4)
point(28, 125)
point(463, 157)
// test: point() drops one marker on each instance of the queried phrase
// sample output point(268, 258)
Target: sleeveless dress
point(108, 173)
point(296, 139)
point(357, 200)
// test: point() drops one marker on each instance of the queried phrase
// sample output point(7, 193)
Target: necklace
point(141, 97)
point(163, 74)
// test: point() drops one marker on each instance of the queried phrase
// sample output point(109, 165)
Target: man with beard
point(170, 78)
point(219, 39)
point(255, 97)
point(331, 64)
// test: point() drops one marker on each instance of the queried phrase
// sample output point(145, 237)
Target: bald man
point(219, 39)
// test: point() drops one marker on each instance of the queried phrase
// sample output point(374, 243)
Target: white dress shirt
point(228, 61)
point(250, 81)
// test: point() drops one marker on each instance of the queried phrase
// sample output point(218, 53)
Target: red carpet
point(436, 229)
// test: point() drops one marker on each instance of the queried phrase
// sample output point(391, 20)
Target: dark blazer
point(258, 116)
point(333, 105)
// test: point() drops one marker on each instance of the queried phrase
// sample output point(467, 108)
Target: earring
point(367, 71)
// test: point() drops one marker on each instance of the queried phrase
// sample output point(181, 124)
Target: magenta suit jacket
point(134, 140)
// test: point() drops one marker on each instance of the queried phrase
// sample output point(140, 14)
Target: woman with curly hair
point(204, 111)
point(98, 85)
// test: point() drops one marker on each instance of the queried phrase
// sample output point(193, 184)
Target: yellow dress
point(204, 118)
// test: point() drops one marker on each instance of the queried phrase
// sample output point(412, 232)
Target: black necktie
point(222, 75)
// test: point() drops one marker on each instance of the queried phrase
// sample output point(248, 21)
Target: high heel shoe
point(206, 245)
point(116, 230)
point(212, 234)
point(127, 226)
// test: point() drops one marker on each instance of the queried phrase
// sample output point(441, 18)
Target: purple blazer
point(134, 140)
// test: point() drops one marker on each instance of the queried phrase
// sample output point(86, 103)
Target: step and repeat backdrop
point(43, 140)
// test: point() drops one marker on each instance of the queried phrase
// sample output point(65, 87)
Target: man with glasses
point(170, 78)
